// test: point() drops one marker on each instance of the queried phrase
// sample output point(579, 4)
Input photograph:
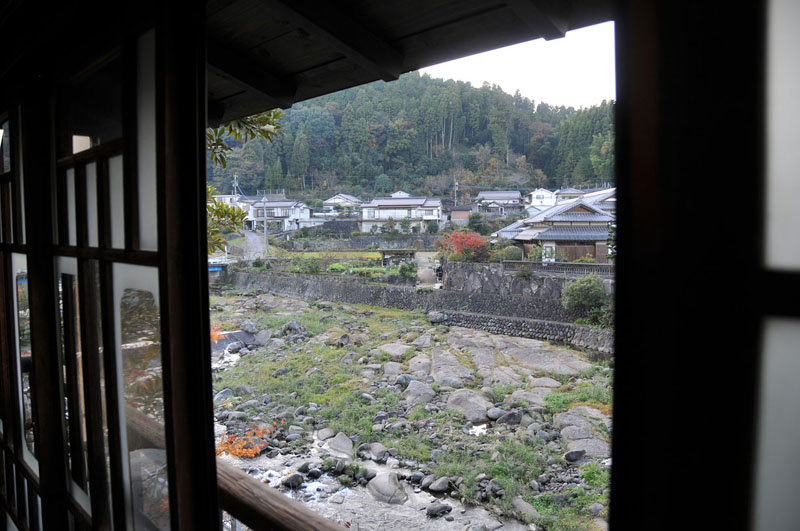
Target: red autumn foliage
point(469, 246)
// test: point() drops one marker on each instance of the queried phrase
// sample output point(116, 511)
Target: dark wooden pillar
point(181, 159)
point(689, 142)
point(46, 379)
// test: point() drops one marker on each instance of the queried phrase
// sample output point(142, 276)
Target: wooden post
point(182, 240)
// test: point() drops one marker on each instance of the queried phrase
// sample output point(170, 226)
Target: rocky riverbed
point(386, 420)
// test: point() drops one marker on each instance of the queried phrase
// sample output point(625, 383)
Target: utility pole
point(455, 192)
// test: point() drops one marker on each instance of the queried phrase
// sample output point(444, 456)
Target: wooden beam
point(542, 17)
point(342, 33)
point(250, 75)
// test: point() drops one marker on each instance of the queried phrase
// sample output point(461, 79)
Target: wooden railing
point(570, 268)
point(246, 499)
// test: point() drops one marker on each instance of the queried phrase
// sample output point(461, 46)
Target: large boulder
point(386, 488)
point(341, 444)
point(471, 404)
point(395, 350)
point(526, 509)
point(437, 317)
point(294, 327)
point(418, 393)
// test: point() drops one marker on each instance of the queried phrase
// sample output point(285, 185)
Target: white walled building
point(541, 197)
point(281, 215)
point(342, 202)
point(400, 206)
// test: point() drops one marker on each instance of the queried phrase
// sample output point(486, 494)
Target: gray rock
point(471, 404)
point(574, 455)
point(422, 341)
point(379, 452)
point(249, 327)
point(595, 508)
point(437, 317)
point(440, 485)
point(243, 390)
point(526, 509)
point(418, 393)
point(427, 480)
point(324, 434)
point(593, 447)
point(533, 485)
point(495, 413)
point(392, 368)
point(263, 337)
point(386, 488)
point(223, 395)
point(293, 481)
point(248, 405)
point(437, 509)
point(419, 364)
point(342, 444)
point(511, 418)
point(294, 327)
point(395, 350)
point(234, 347)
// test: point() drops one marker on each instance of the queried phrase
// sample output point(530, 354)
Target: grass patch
point(584, 393)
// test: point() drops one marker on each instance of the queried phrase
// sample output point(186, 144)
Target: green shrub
point(524, 272)
point(588, 259)
point(408, 270)
point(584, 294)
point(258, 262)
point(336, 267)
point(433, 227)
point(512, 252)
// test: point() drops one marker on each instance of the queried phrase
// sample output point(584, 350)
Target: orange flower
point(215, 333)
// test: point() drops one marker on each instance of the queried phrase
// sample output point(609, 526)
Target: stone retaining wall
point(576, 335)
point(368, 241)
point(483, 278)
point(525, 316)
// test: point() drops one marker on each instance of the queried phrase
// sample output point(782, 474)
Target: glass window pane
point(139, 362)
point(783, 129)
point(90, 109)
point(73, 378)
point(777, 458)
point(24, 351)
point(5, 147)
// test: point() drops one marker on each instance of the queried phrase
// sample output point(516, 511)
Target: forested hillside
point(419, 134)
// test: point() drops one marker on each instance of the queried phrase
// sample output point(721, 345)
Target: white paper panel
point(91, 204)
point(71, 207)
point(117, 201)
point(146, 142)
point(778, 438)
point(783, 135)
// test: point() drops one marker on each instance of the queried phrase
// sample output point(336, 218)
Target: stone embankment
point(540, 316)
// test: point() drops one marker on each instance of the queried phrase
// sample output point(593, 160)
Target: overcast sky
point(577, 70)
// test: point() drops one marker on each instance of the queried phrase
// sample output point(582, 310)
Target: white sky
point(577, 70)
